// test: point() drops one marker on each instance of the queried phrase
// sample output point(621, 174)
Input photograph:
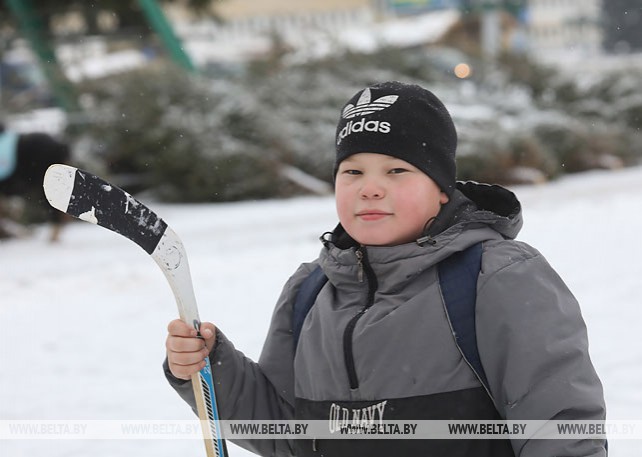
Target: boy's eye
point(397, 171)
point(352, 172)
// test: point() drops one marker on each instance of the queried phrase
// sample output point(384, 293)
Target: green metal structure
point(34, 30)
point(157, 20)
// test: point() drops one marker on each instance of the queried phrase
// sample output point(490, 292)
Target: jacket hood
point(491, 205)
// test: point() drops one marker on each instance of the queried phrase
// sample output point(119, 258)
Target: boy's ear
point(443, 198)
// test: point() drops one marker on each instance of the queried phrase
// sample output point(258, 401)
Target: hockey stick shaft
point(87, 197)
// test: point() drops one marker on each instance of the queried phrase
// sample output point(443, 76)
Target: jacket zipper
point(364, 267)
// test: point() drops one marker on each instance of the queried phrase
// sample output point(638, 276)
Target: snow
point(83, 321)
point(105, 64)
point(407, 31)
point(208, 42)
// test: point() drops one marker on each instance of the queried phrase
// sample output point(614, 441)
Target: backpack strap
point(305, 298)
point(458, 281)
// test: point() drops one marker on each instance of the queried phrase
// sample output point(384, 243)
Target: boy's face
point(384, 201)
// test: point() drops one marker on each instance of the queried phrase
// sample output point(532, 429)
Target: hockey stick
point(91, 199)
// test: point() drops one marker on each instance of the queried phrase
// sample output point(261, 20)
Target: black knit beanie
point(404, 121)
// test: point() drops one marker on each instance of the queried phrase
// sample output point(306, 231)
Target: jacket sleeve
point(534, 348)
point(246, 390)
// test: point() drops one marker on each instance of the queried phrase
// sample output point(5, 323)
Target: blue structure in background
point(409, 7)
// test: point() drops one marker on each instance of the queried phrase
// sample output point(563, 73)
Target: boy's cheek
point(343, 206)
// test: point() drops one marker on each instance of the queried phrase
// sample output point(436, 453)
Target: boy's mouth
point(372, 214)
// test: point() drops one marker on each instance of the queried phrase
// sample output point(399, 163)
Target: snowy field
point(83, 321)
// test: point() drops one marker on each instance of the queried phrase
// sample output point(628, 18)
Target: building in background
point(562, 28)
point(546, 29)
point(247, 29)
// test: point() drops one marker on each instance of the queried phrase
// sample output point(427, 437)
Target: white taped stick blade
point(58, 185)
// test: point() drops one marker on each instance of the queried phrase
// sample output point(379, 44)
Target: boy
point(377, 338)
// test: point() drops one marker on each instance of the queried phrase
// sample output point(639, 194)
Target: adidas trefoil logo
point(364, 107)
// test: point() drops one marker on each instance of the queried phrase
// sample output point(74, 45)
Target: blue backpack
point(458, 280)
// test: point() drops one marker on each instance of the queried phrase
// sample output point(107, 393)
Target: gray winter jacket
point(531, 339)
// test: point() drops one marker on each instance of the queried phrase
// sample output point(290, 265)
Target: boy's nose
point(371, 189)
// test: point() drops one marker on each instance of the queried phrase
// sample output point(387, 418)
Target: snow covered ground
point(83, 321)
